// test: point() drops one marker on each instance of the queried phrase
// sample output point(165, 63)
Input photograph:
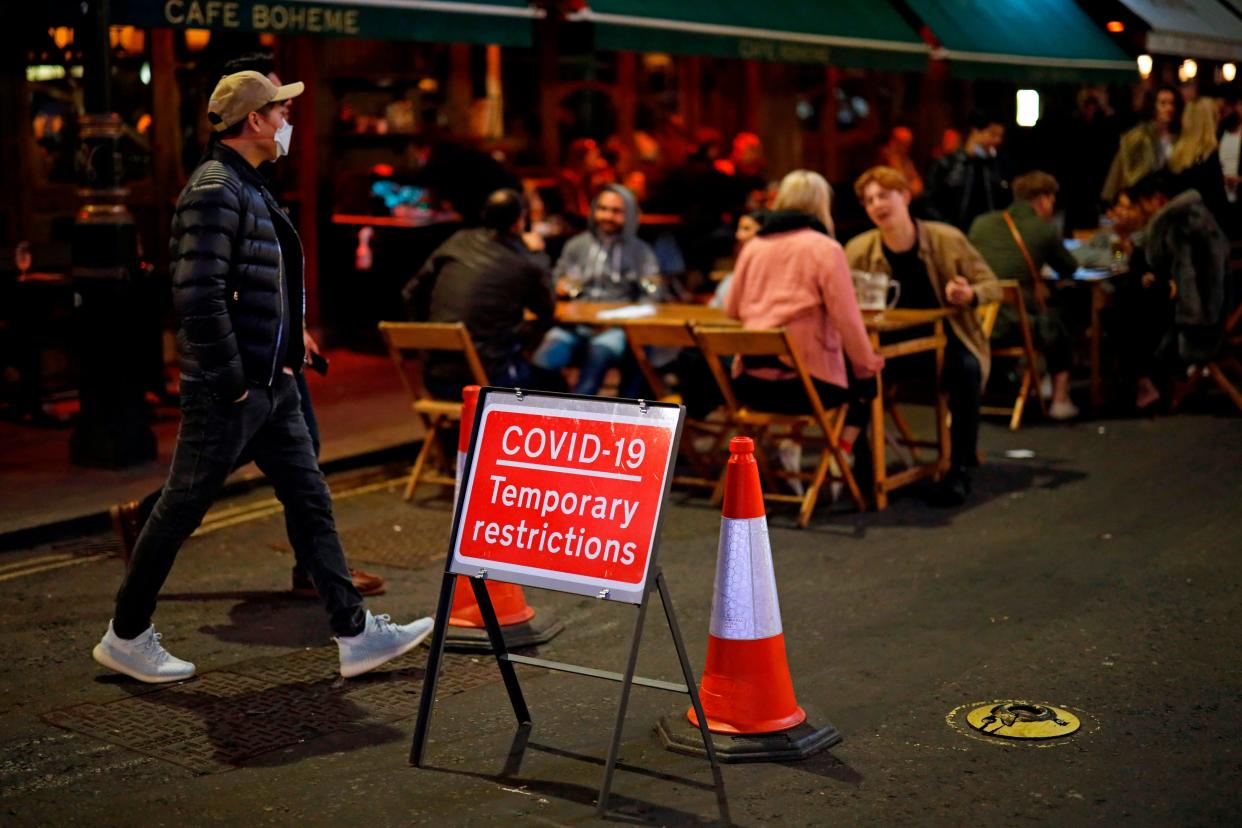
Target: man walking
point(128, 518)
point(237, 290)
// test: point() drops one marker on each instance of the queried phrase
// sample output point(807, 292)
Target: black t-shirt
point(910, 272)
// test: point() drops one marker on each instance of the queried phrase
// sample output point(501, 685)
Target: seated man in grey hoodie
point(606, 263)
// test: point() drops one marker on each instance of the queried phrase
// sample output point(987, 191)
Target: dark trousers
point(788, 396)
point(269, 427)
point(448, 380)
point(1143, 324)
point(1050, 331)
point(295, 534)
point(962, 380)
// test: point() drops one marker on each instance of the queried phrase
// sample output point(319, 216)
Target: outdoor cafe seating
point(407, 344)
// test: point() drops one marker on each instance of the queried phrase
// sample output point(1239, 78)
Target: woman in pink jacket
point(795, 276)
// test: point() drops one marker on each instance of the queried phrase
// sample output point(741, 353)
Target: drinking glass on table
point(571, 283)
point(22, 258)
point(650, 285)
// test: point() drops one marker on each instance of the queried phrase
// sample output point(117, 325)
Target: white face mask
point(282, 137)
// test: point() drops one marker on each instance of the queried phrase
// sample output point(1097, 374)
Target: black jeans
point(269, 427)
point(960, 381)
point(1143, 325)
point(296, 536)
point(788, 396)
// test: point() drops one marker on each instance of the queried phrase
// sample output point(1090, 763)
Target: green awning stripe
point(1005, 38)
point(502, 22)
point(500, 8)
point(723, 30)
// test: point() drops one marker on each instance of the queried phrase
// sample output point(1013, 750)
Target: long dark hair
point(1179, 105)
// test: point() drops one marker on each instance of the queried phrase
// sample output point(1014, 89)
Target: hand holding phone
point(317, 361)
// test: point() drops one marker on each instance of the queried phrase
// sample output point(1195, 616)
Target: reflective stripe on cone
point(746, 686)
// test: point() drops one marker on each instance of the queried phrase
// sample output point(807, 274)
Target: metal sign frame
point(654, 582)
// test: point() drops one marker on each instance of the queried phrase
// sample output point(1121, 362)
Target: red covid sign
point(572, 495)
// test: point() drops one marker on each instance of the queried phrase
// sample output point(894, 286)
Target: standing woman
point(1195, 159)
point(794, 275)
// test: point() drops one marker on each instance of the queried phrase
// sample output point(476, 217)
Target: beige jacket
point(946, 253)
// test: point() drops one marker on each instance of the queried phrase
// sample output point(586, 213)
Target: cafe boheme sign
point(289, 18)
point(507, 24)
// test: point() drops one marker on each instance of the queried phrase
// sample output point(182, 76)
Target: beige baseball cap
point(237, 95)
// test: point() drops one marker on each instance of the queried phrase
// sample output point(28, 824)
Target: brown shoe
point(124, 518)
point(366, 584)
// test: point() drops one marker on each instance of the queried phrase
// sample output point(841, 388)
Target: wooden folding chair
point(407, 343)
point(1024, 351)
point(718, 342)
point(675, 333)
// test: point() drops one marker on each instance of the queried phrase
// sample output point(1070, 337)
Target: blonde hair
point(807, 192)
point(1198, 138)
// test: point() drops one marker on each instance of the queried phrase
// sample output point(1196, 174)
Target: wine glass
point(22, 258)
point(650, 285)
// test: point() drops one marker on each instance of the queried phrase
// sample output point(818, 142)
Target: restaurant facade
point(389, 80)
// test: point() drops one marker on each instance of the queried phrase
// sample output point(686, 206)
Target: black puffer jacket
point(237, 278)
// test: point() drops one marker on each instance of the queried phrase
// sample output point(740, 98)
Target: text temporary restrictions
point(565, 499)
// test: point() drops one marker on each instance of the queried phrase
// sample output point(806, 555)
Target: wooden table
point(587, 313)
point(888, 321)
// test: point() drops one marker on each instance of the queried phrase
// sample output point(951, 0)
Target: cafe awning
point(502, 22)
point(862, 33)
point(1024, 40)
point(1191, 28)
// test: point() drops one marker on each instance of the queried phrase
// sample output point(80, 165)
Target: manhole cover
point(1022, 720)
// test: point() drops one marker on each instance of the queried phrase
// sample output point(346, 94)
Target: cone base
point(798, 742)
point(526, 634)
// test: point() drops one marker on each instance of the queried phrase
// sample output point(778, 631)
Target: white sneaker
point(790, 455)
point(1063, 410)
point(1045, 387)
point(143, 658)
point(380, 641)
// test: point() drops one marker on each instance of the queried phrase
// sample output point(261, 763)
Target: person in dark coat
point(1171, 314)
point(488, 278)
point(972, 180)
point(238, 294)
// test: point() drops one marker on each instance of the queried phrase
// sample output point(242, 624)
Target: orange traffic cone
point(466, 629)
point(746, 691)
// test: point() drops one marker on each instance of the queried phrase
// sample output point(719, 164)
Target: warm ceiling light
point(196, 40)
point(1144, 65)
point(1187, 71)
point(127, 38)
point(1229, 71)
point(62, 36)
point(1116, 26)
